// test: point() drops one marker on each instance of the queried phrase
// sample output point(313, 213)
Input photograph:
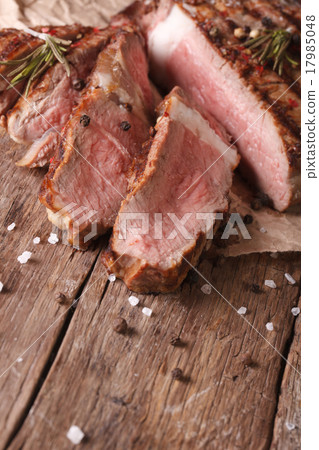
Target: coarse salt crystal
point(36, 240)
point(111, 278)
point(290, 426)
point(10, 227)
point(290, 279)
point(1, 286)
point(206, 288)
point(263, 230)
point(53, 239)
point(75, 434)
point(147, 311)
point(133, 300)
point(274, 255)
point(295, 311)
point(269, 326)
point(242, 310)
point(24, 257)
point(20, 359)
point(270, 283)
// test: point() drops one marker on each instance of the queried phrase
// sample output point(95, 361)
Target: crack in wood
point(46, 369)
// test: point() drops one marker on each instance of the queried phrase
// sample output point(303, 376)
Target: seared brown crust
point(15, 44)
point(138, 274)
point(60, 158)
point(143, 278)
point(280, 95)
point(272, 91)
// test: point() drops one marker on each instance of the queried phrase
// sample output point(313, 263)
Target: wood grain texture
point(118, 388)
point(288, 414)
point(27, 302)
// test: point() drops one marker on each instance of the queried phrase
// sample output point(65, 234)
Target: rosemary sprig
point(35, 63)
point(272, 46)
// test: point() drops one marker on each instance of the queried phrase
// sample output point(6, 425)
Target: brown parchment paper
point(282, 230)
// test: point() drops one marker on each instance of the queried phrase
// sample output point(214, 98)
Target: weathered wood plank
point(27, 302)
point(118, 388)
point(288, 420)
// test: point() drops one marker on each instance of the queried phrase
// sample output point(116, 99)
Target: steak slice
point(88, 177)
point(51, 99)
point(186, 143)
point(16, 44)
point(194, 46)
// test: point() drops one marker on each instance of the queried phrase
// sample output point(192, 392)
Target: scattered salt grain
point(206, 288)
point(133, 300)
point(270, 283)
point(53, 239)
point(295, 311)
point(19, 359)
point(24, 257)
point(147, 311)
point(290, 279)
point(269, 326)
point(1, 286)
point(263, 230)
point(112, 278)
point(274, 255)
point(10, 227)
point(242, 310)
point(290, 426)
point(36, 240)
point(75, 434)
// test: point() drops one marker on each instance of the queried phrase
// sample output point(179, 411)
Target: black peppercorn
point(60, 298)
point(265, 200)
point(120, 325)
point(255, 288)
point(78, 84)
point(248, 219)
point(256, 204)
point(267, 22)
point(177, 374)
point(125, 126)
point(175, 340)
point(85, 120)
point(128, 107)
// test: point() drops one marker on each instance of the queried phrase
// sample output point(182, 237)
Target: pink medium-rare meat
point(51, 99)
point(186, 143)
point(106, 130)
point(194, 46)
point(16, 44)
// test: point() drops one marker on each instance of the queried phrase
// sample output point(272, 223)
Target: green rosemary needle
point(272, 46)
point(35, 63)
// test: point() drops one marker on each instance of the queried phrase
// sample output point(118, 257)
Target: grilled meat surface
point(16, 44)
point(194, 46)
point(187, 142)
point(88, 177)
point(51, 99)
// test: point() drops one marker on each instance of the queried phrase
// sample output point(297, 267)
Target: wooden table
point(64, 365)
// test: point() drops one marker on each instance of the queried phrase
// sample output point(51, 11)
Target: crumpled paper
point(282, 231)
point(270, 230)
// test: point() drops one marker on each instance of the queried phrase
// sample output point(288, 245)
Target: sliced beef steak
point(147, 250)
point(50, 101)
point(194, 46)
point(88, 177)
point(16, 44)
